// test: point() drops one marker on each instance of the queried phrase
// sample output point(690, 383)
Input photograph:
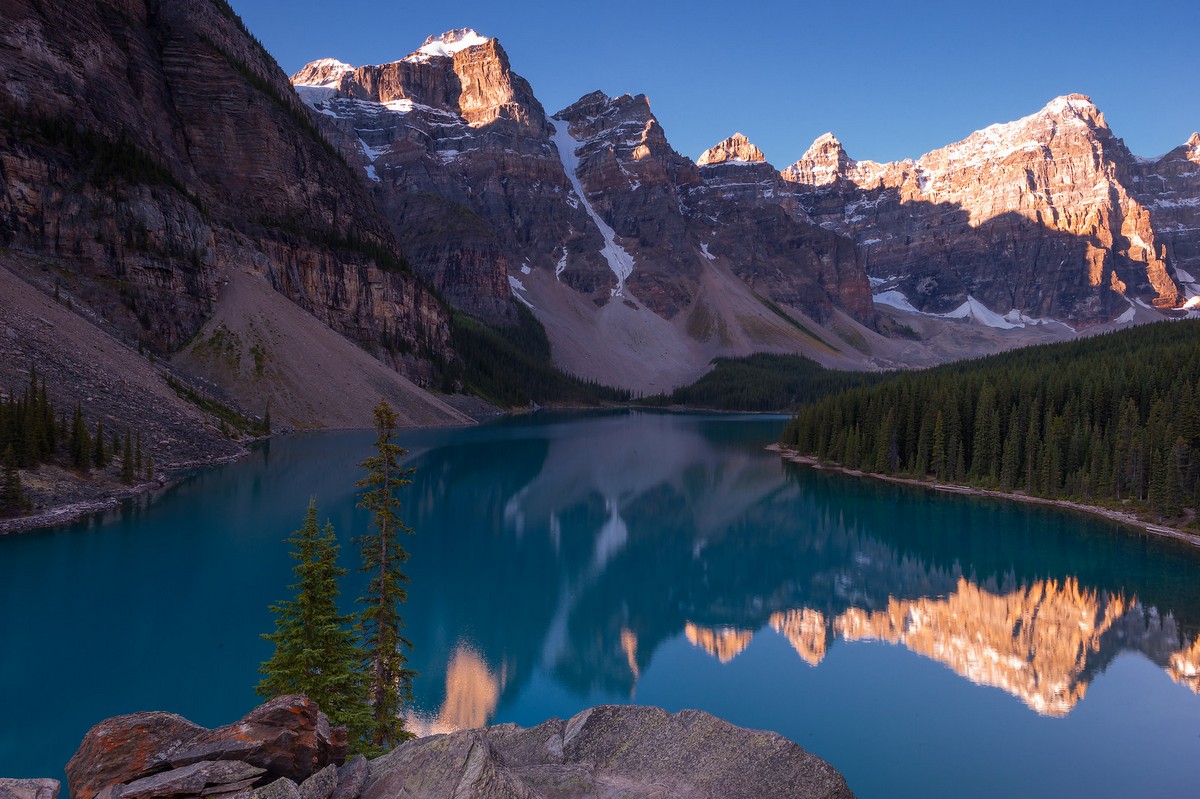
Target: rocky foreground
point(287, 749)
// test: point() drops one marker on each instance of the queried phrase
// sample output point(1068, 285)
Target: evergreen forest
point(34, 431)
point(1107, 420)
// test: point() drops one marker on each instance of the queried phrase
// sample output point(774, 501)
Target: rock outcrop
point(606, 751)
point(286, 750)
point(155, 754)
point(1034, 219)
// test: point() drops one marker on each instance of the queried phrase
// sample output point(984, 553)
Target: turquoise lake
point(927, 645)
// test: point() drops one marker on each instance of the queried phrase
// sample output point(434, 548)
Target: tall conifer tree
point(316, 651)
point(383, 559)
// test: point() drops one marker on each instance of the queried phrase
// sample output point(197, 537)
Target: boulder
point(125, 748)
point(288, 737)
point(282, 788)
point(607, 751)
point(29, 789)
point(351, 778)
point(321, 784)
point(190, 780)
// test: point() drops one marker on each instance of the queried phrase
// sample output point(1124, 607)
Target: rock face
point(146, 755)
point(456, 149)
point(146, 148)
point(606, 751)
point(1037, 218)
point(1169, 188)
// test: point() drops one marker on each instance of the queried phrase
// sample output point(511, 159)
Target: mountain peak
point(1077, 106)
point(736, 148)
point(447, 44)
point(824, 162)
point(823, 146)
point(323, 73)
point(1194, 140)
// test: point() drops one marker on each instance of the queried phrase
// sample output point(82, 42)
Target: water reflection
point(641, 529)
point(472, 692)
point(1042, 644)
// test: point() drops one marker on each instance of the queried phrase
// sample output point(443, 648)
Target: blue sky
point(891, 80)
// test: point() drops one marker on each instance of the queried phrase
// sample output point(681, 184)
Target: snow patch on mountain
point(620, 261)
point(971, 310)
point(446, 45)
point(516, 287)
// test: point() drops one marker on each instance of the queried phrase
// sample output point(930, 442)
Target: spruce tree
point(99, 453)
point(81, 441)
point(316, 651)
point(383, 558)
point(127, 474)
point(13, 501)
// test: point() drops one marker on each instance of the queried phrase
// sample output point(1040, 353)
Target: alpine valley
point(174, 211)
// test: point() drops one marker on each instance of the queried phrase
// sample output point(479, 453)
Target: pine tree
point(81, 441)
point(127, 474)
point(939, 448)
point(383, 558)
point(99, 453)
point(137, 454)
point(316, 651)
point(13, 501)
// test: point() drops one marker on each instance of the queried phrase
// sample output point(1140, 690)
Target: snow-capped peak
point(323, 73)
point(330, 63)
point(1075, 108)
point(447, 44)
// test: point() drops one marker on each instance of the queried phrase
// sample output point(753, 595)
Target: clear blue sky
point(890, 79)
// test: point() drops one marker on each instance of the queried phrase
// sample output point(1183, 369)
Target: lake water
point(927, 645)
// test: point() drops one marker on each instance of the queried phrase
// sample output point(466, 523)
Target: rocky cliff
point(287, 750)
point(1041, 218)
point(1169, 188)
point(147, 149)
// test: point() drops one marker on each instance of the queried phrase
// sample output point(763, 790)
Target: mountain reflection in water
point(641, 528)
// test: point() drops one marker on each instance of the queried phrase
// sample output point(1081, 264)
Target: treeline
point(34, 431)
point(1109, 419)
point(764, 382)
point(511, 365)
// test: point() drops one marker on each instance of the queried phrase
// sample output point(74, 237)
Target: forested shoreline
point(1108, 420)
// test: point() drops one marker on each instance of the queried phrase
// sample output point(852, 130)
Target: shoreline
point(71, 512)
point(1120, 517)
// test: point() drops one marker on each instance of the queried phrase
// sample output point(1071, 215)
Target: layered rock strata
point(145, 149)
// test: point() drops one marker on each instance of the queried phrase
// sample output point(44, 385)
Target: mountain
point(153, 154)
point(589, 217)
point(1038, 219)
point(1169, 187)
